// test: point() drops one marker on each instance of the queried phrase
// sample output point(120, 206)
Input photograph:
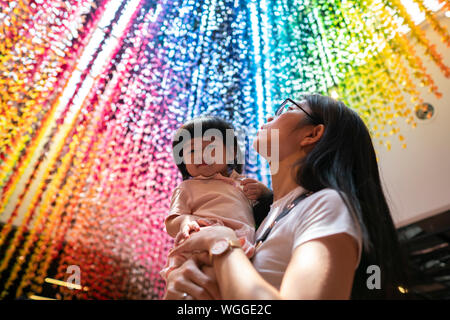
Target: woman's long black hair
point(344, 160)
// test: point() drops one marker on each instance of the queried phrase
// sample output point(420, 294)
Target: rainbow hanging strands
point(92, 92)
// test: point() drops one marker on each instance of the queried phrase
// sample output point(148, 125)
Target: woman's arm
point(238, 279)
point(322, 269)
point(319, 269)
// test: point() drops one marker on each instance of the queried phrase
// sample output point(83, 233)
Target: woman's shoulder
point(324, 214)
point(327, 194)
point(326, 198)
point(325, 208)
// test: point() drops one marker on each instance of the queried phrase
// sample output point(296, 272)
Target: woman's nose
point(270, 118)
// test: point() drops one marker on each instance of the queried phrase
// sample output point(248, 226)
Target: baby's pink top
point(219, 198)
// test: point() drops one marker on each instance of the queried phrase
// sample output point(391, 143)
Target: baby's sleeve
point(179, 203)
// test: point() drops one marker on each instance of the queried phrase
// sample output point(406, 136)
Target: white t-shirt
point(321, 214)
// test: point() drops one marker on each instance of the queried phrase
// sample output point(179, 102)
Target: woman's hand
point(200, 242)
point(189, 282)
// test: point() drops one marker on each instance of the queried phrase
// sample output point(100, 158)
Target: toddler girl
point(213, 190)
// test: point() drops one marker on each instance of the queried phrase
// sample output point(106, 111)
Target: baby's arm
point(181, 226)
point(180, 211)
point(175, 223)
point(255, 190)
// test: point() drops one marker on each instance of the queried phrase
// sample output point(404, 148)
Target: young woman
point(333, 219)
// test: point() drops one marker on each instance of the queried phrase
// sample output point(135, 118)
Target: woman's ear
point(313, 135)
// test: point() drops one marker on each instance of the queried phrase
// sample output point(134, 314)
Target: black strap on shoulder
point(285, 211)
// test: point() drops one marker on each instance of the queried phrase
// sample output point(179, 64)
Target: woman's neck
point(283, 180)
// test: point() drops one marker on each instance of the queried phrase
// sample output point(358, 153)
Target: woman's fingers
point(172, 294)
point(189, 278)
point(189, 282)
point(206, 282)
point(201, 258)
point(186, 290)
point(211, 285)
point(193, 291)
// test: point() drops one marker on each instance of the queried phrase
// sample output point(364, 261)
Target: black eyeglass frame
point(277, 113)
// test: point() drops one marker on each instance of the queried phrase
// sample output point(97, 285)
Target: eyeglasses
point(288, 104)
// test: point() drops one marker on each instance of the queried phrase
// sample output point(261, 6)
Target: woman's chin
point(257, 143)
point(261, 146)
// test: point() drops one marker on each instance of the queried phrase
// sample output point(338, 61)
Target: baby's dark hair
point(206, 123)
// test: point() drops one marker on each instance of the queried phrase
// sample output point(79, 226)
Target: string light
point(66, 284)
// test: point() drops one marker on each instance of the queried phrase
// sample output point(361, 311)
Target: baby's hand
point(191, 224)
point(253, 189)
point(186, 228)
